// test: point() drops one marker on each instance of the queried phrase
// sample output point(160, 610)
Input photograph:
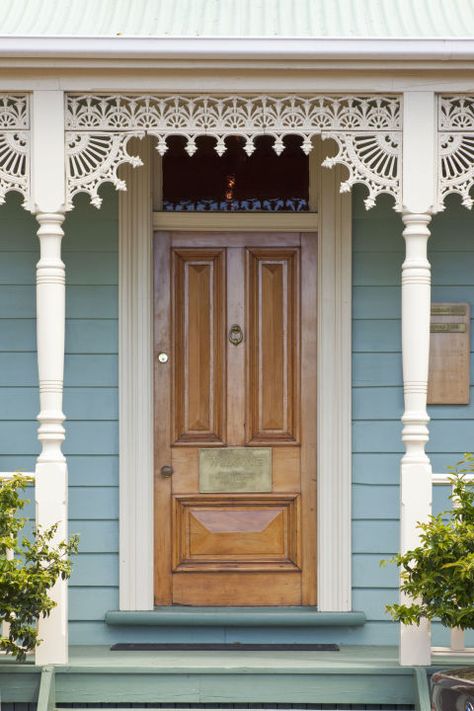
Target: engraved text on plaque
point(235, 470)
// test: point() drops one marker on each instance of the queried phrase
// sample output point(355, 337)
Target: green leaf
point(438, 575)
point(26, 580)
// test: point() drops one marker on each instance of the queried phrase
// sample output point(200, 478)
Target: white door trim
point(334, 395)
point(136, 387)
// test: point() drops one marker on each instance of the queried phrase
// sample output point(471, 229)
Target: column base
point(51, 508)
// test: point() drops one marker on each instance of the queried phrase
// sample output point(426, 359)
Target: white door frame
point(136, 224)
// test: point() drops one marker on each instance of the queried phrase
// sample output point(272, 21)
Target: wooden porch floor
point(355, 675)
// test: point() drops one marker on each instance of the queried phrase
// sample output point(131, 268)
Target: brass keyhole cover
point(235, 334)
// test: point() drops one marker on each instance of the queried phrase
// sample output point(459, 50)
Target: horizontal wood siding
point(90, 399)
point(91, 406)
point(377, 407)
point(19, 403)
point(91, 402)
point(378, 252)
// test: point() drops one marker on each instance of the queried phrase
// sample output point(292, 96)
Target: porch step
point(349, 679)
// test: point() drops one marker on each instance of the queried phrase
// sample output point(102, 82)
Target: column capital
point(416, 218)
point(419, 155)
point(48, 184)
point(50, 218)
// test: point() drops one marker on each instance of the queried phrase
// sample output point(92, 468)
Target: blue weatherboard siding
point(18, 375)
point(91, 407)
point(377, 406)
point(90, 399)
point(377, 393)
point(91, 403)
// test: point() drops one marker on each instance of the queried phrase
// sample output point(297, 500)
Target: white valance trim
point(366, 129)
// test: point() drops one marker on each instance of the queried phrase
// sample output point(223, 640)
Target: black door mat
point(232, 647)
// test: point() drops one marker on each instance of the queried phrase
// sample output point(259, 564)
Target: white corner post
point(334, 389)
point(136, 383)
point(48, 200)
point(418, 200)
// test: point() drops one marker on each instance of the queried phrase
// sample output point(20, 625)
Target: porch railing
point(457, 636)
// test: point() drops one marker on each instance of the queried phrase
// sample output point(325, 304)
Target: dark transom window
point(235, 181)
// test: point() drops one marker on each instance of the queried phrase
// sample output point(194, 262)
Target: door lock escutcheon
point(236, 335)
point(166, 471)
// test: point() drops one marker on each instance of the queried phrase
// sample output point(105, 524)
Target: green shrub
point(438, 575)
point(26, 579)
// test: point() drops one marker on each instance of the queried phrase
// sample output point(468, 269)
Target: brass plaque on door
point(235, 470)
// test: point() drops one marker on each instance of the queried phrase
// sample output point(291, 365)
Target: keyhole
point(235, 334)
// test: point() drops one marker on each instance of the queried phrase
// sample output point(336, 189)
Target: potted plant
point(438, 576)
point(29, 567)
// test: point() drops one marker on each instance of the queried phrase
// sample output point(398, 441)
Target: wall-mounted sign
point(448, 382)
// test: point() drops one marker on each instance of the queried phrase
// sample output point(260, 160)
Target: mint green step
point(95, 675)
point(234, 617)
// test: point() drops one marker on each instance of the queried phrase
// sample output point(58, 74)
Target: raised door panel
point(199, 338)
point(273, 348)
point(236, 533)
point(237, 587)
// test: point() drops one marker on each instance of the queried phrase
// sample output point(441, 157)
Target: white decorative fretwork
point(456, 148)
point(372, 159)
point(93, 159)
point(14, 146)
point(367, 130)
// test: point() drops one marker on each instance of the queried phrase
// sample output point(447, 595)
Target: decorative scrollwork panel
point(14, 146)
point(456, 148)
point(94, 159)
point(372, 159)
point(366, 128)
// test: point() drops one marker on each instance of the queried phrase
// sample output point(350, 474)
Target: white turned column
point(415, 646)
point(48, 197)
point(419, 196)
point(51, 472)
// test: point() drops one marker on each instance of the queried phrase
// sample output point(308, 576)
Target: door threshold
point(181, 616)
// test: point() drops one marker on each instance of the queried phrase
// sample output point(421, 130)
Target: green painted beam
point(19, 683)
point(357, 688)
point(423, 697)
point(235, 617)
point(47, 695)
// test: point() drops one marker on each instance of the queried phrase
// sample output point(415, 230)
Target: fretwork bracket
point(15, 146)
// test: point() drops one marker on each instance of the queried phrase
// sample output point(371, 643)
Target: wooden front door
point(235, 419)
